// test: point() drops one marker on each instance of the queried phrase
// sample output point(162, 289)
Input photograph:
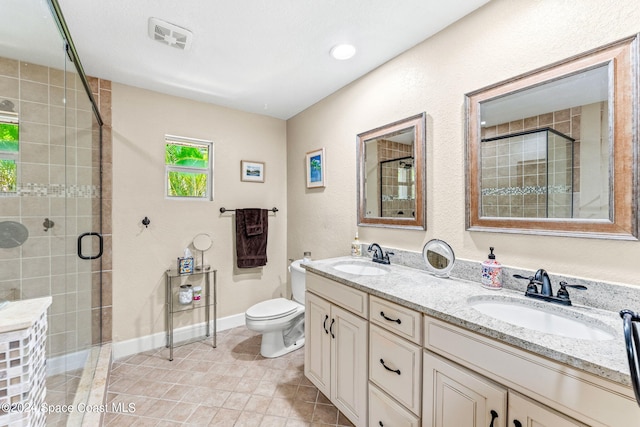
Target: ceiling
point(268, 57)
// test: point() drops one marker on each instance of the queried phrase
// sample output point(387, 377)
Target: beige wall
point(501, 40)
point(141, 255)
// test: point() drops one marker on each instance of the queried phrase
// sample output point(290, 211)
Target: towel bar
point(223, 210)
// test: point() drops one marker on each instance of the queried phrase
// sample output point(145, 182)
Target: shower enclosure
point(51, 191)
point(528, 174)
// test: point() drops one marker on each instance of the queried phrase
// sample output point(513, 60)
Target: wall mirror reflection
point(552, 151)
point(391, 175)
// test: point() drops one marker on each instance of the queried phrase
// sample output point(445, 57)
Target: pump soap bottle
point(356, 249)
point(491, 272)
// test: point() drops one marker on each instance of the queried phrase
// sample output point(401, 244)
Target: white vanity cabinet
point(556, 394)
point(336, 337)
point(455, 397)
point(525, 412)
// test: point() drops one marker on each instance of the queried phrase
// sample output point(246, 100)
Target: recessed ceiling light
point(343, 51)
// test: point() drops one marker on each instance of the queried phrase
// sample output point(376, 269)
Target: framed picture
point(185, 265)
point(251, 171)
point(315, 168)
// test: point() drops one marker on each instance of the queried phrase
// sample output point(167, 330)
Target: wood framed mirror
point(554, 151)
point(391, 175)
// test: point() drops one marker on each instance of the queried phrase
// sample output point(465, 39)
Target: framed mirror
point(554, 151)
point(391, 175)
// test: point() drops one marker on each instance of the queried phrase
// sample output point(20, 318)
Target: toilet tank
point(297, 281)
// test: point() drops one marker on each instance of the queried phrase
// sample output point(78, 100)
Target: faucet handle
point(531, 287)
point(564, 294)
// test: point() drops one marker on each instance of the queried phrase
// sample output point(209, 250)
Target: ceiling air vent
point(170, 34)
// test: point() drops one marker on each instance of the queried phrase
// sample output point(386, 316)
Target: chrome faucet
point(379, 255)
point(541, 278)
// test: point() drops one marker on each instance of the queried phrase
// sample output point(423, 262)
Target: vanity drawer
point(395, 365)
point(398, 319)
point(384, 411)
point(352, 299)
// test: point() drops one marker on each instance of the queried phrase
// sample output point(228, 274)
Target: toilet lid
point(272, 309)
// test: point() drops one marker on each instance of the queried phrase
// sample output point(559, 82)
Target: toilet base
point(273, 345)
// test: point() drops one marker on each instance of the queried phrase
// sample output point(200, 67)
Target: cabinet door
point(524, 412)
point(317, 348)
point(456, 397)
point(349, 365)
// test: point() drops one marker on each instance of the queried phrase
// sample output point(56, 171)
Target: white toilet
point(281, 321)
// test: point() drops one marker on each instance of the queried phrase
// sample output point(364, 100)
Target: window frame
point(208, 171)
point(11, 118)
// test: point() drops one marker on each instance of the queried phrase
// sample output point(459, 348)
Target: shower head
point(8, 106)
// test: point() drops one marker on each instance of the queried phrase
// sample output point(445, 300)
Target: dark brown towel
point(252, 226)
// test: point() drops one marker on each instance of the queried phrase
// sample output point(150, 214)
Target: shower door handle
point(100, 247)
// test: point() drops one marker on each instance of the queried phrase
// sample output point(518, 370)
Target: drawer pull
point(397, 371)
point(398, 321)
point(517, 423)
point(494, 415)
point(324, 324)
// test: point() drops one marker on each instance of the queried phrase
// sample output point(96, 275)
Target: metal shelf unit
point(173, 281)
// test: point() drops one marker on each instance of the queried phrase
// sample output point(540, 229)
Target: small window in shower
point(188, 165)
point(9, 151)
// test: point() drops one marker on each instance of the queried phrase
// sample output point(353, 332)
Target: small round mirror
point(202, 242)
point(439, 257)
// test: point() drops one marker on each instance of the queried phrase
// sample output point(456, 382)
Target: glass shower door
point(50, 193)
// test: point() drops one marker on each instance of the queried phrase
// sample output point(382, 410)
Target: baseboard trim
point(150, 342)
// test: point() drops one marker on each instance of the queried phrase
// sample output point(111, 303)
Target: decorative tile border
point(533, 189)
point(55, 190)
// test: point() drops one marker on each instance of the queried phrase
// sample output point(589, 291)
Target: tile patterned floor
point(61, 390)
point(231, 385)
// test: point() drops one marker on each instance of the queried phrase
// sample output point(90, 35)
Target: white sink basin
point(526, 315)
point(362, 268)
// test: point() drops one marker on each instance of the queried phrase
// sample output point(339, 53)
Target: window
point(9, 150)
point(188, 165)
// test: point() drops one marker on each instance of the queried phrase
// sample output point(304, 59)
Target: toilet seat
point(272, 309)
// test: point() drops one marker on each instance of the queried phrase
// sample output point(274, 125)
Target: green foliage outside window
point(9, 145)
point(187, 169)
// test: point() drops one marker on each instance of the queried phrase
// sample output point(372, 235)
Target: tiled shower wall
point(394, 204)
point(514, 171)
point(61, 183)
point(101, 300)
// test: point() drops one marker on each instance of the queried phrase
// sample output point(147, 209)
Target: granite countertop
point(18, 315)
point(447, 299)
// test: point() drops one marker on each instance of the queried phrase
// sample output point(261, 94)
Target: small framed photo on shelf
point(251, 171)
point(185, 265)
point(315, 169)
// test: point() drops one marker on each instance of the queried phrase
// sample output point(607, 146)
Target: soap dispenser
point(491, 272)
point(356, 249)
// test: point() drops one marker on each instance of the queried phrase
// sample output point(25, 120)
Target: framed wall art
point(251, 171)
point(316, 169)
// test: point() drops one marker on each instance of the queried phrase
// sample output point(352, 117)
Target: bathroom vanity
point(400, 347)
